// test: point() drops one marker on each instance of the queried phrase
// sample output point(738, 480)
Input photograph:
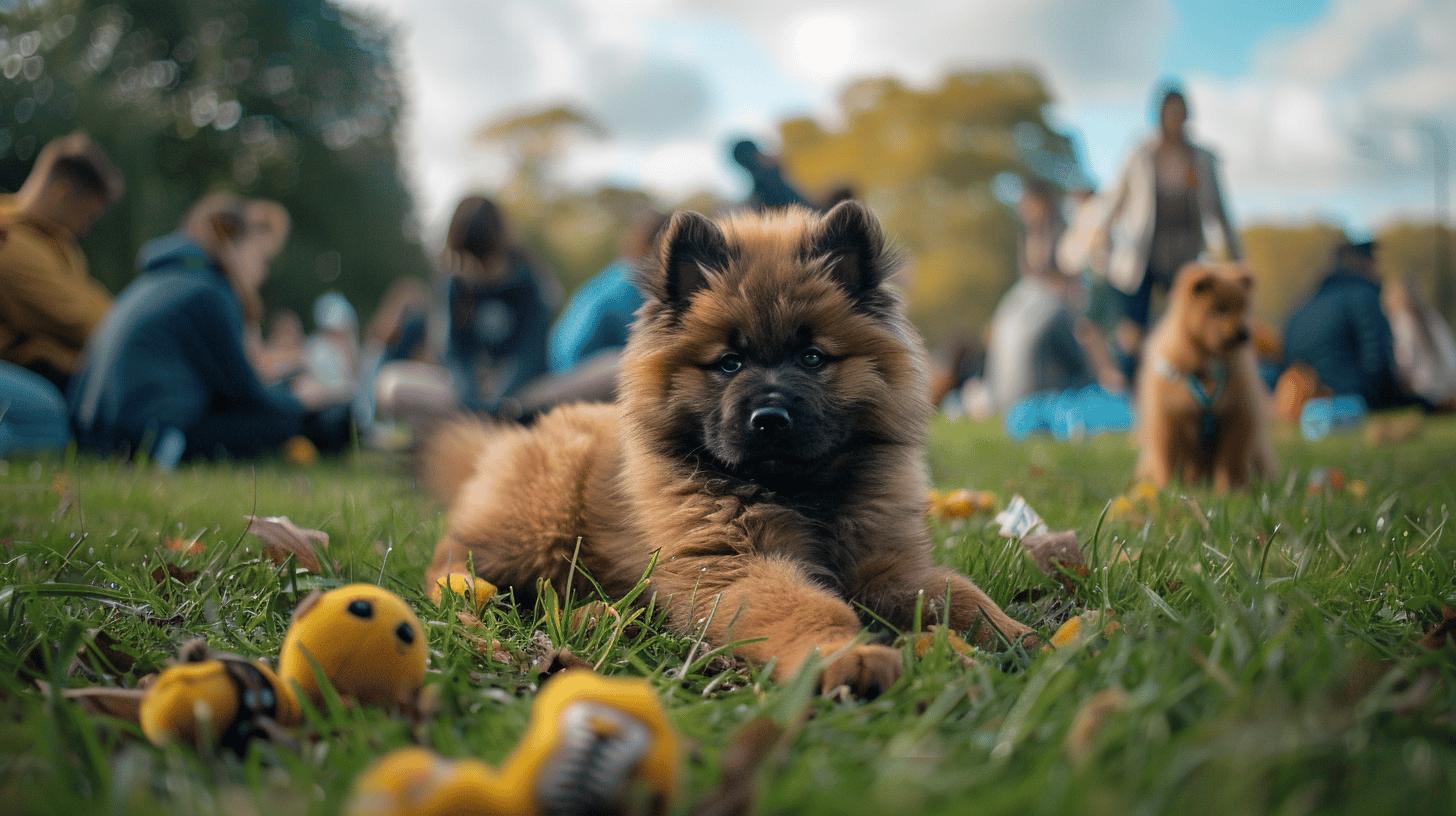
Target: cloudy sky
point(1319, 108)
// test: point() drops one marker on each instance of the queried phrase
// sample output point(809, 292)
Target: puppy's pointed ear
point(690, 248)
point(852, 245)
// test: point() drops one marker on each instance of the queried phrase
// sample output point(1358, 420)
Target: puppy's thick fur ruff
point(1202, 408)
point(772, 543)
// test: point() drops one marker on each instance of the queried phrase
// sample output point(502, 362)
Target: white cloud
point(671, 103)
point(1337, 110)
point(1318, 116)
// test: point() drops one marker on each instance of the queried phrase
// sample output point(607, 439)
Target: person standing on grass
point(1166, 209)
point(770, 189)
point(1033, 345)
point(167, 372)
point(49, 303)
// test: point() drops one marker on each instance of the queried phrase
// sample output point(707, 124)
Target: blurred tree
point(930, 161)
point(574, 230)
point(296, 100)
point(1287, 261)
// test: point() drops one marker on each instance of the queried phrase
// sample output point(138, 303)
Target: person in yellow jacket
point(49, 303)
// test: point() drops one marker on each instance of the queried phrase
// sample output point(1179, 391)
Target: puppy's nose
point(769, 421)
point(1241, 336)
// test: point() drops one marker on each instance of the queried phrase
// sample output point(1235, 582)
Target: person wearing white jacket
point(1167, 209)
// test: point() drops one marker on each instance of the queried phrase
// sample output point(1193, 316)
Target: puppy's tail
point(451, 455)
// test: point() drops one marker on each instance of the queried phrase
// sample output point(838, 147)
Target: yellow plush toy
point(593, 745)
point(473, 588)
point(220, 701)
point(366, 641)
point(590, 741)
point(416, 782)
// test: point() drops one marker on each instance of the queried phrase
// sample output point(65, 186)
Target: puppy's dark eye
point(811, 358)
point(405, 633)
point(730, 363)
point(361, 609)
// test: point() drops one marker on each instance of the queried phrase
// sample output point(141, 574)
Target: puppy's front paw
point(864, 671)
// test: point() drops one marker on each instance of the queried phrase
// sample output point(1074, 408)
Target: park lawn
point(1265, 655)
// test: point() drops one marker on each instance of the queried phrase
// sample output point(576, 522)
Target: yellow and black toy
point(593, 745)
point(473, 588)
point(215, 700)
point(366, 641)
point(418, 782)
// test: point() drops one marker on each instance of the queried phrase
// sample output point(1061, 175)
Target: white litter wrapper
point(1018, 520)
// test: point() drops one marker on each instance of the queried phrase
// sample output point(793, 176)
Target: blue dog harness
point(1205, 399)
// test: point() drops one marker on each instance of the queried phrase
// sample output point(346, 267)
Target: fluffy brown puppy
point(768, 446)
point(1201, 404)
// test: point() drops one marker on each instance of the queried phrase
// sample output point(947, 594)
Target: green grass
point(1267, 645)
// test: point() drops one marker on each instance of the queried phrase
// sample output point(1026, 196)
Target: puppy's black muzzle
point(769, 422)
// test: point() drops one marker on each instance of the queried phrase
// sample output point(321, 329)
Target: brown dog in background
point(768, 448)
point(1201, 404)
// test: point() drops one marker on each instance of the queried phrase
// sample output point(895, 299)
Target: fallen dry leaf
point(1057, 554)
point(1067, 633)
point(1090, 718)
point(192, 546)
point(1443, 632)
point(1072, 629)
point(746, 753)
point(299, 451)
point(924, 640)
point(558, 660)
point(589, 615)
point(490, 648)
point(161, 574)
point(111, 653)
point(124, 704)
point(1123, 509)
point(282, 538)
point(961, 503)
point(1145, 493)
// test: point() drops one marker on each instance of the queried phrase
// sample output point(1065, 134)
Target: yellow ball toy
point(593, 745)
point(366, 641)
point(416, 782)
point(473, 588)
point(221, 701)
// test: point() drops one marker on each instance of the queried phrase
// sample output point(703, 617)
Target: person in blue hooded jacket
point(167, 372)
point(598, 315)
point(1342, 332)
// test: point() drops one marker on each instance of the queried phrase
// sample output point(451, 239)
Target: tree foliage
point(573, 230)
point(295, 100)
point(929, 162)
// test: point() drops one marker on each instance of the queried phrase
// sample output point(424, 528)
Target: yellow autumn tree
point(927, 161)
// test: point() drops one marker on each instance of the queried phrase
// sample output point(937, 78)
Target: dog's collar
point(1218, 373)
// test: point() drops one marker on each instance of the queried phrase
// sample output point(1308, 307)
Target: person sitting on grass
point(167, 373)
point(49, 303)
point(597, 317)
point(497, 316)
point(1342, 335)
point(498, 308)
